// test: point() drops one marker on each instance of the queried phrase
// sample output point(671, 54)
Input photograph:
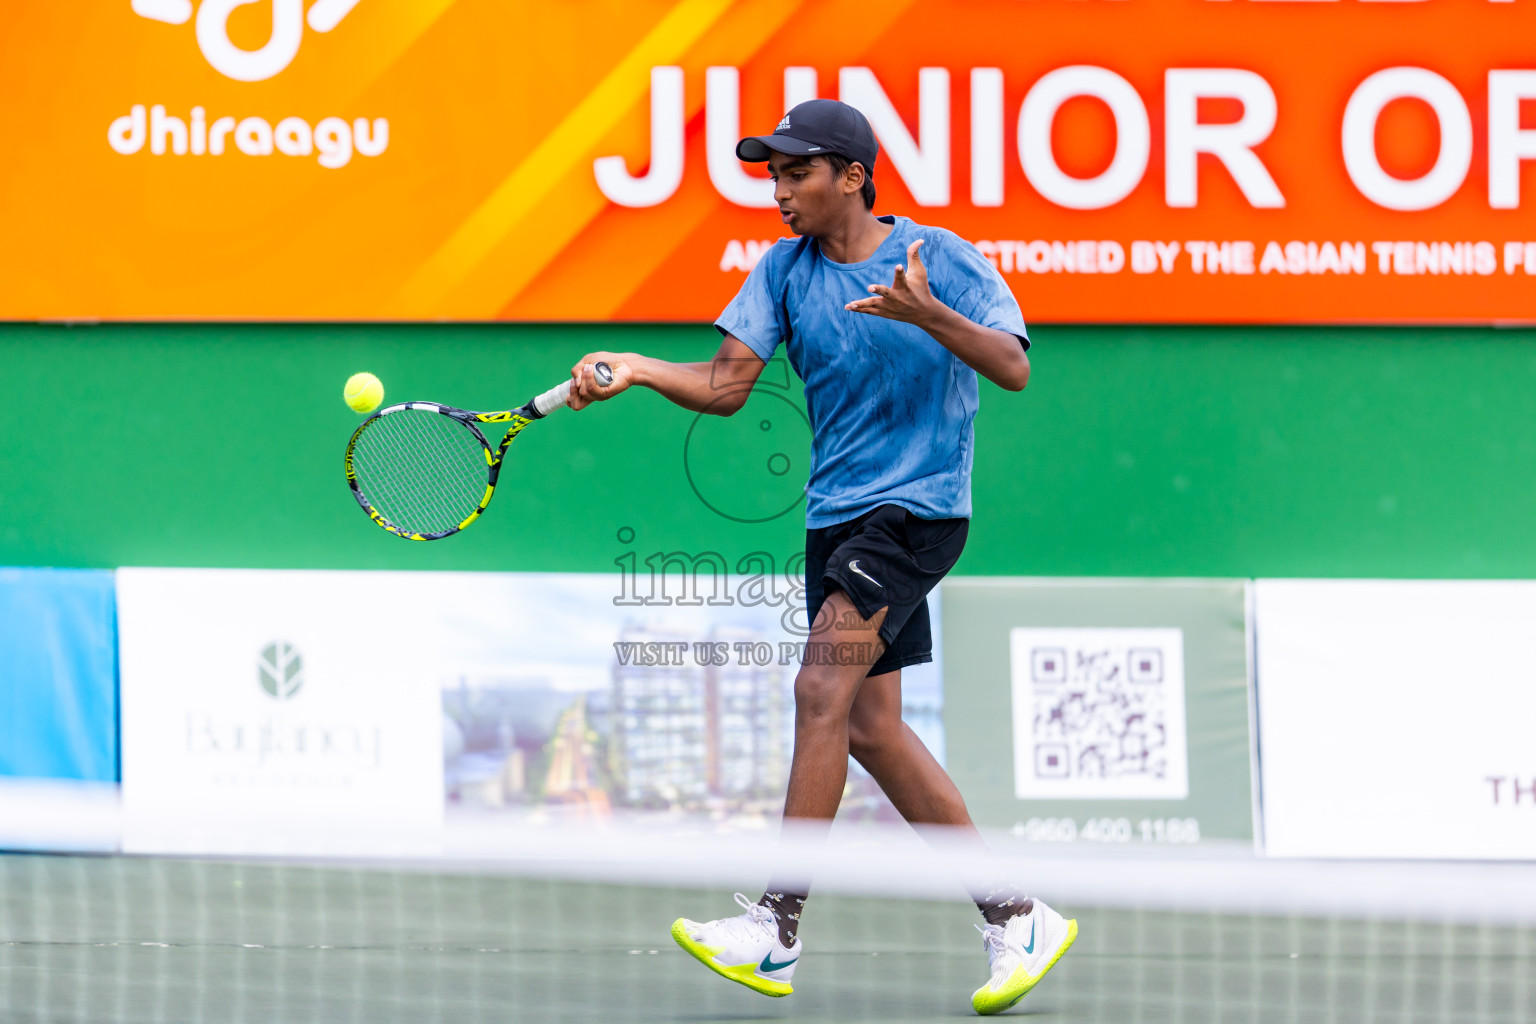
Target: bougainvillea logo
point(288, 19)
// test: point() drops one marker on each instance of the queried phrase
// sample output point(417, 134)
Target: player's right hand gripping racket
point(424, 471)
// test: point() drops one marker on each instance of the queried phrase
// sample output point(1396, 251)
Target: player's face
point(811, 198)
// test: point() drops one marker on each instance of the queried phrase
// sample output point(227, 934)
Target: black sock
point(1002, 902)
point(786, 907)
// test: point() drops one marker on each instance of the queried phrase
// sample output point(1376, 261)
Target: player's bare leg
point(925, 795)
point(839, 710)
point(901, 763)
point(843, 645)
point(824, 695)
point(921, 790)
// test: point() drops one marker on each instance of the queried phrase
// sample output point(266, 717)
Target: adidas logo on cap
point(783, 125)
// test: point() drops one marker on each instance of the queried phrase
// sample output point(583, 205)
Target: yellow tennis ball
point(363, 392)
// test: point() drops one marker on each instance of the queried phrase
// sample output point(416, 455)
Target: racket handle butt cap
point(560, 394)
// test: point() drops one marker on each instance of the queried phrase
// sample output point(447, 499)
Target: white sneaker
point(1020, 953)
point(745, 949)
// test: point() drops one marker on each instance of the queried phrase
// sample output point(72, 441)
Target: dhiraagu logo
point(212, 28)
point(198, 132)
point(280, 670)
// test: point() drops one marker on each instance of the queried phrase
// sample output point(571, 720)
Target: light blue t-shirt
point(891, 409)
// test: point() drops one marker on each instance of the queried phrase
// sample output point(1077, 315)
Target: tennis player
point(888, 323)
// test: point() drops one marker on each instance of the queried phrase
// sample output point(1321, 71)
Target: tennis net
point(119, 940)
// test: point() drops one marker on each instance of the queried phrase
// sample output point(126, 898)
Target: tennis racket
point(424, 471)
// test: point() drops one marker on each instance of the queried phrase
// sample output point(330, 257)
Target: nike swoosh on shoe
point(768, 966)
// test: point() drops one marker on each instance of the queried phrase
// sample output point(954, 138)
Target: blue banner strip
point(58, 674)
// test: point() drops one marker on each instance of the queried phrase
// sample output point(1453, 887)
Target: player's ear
point(853, 179)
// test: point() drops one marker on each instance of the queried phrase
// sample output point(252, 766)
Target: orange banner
point(1119, 160)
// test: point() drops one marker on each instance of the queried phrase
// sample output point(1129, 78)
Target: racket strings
point(421, 470)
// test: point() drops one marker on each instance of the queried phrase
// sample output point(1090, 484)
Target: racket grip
point(557, 396)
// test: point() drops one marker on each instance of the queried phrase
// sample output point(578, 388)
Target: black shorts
point(886, 558)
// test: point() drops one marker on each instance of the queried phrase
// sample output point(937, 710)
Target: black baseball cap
point(815, 128)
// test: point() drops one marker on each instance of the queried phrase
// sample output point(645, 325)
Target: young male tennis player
point(887, 323)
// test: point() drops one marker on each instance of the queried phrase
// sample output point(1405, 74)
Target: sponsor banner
point(58, 675)
point(1153, 160)
point(277, 713)
point(346, 712)
point(1100, 711)
point(1395, 718)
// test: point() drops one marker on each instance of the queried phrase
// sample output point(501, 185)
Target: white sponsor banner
point(299, 712)
point(1395, 718)
point(1099, 714)
point(277, 712)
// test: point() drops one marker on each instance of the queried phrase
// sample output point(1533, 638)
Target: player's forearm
point(689, 385)
point(996, 355)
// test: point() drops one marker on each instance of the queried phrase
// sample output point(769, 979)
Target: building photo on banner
point(1033, 498)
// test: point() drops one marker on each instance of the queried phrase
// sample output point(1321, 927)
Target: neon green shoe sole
point(987, 1000)
point(744, 974)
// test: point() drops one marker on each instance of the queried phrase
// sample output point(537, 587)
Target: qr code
point(1099, 713)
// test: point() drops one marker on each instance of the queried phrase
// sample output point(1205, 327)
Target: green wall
point(1135, 451)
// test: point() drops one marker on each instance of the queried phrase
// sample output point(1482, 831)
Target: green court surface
point(116, 940)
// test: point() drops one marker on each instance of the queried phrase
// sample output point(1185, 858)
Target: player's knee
point(868, 735)
point(819, 697)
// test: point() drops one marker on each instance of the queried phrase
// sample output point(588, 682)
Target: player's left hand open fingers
point(875, 306)
point(915, 265)
point(917, 271)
